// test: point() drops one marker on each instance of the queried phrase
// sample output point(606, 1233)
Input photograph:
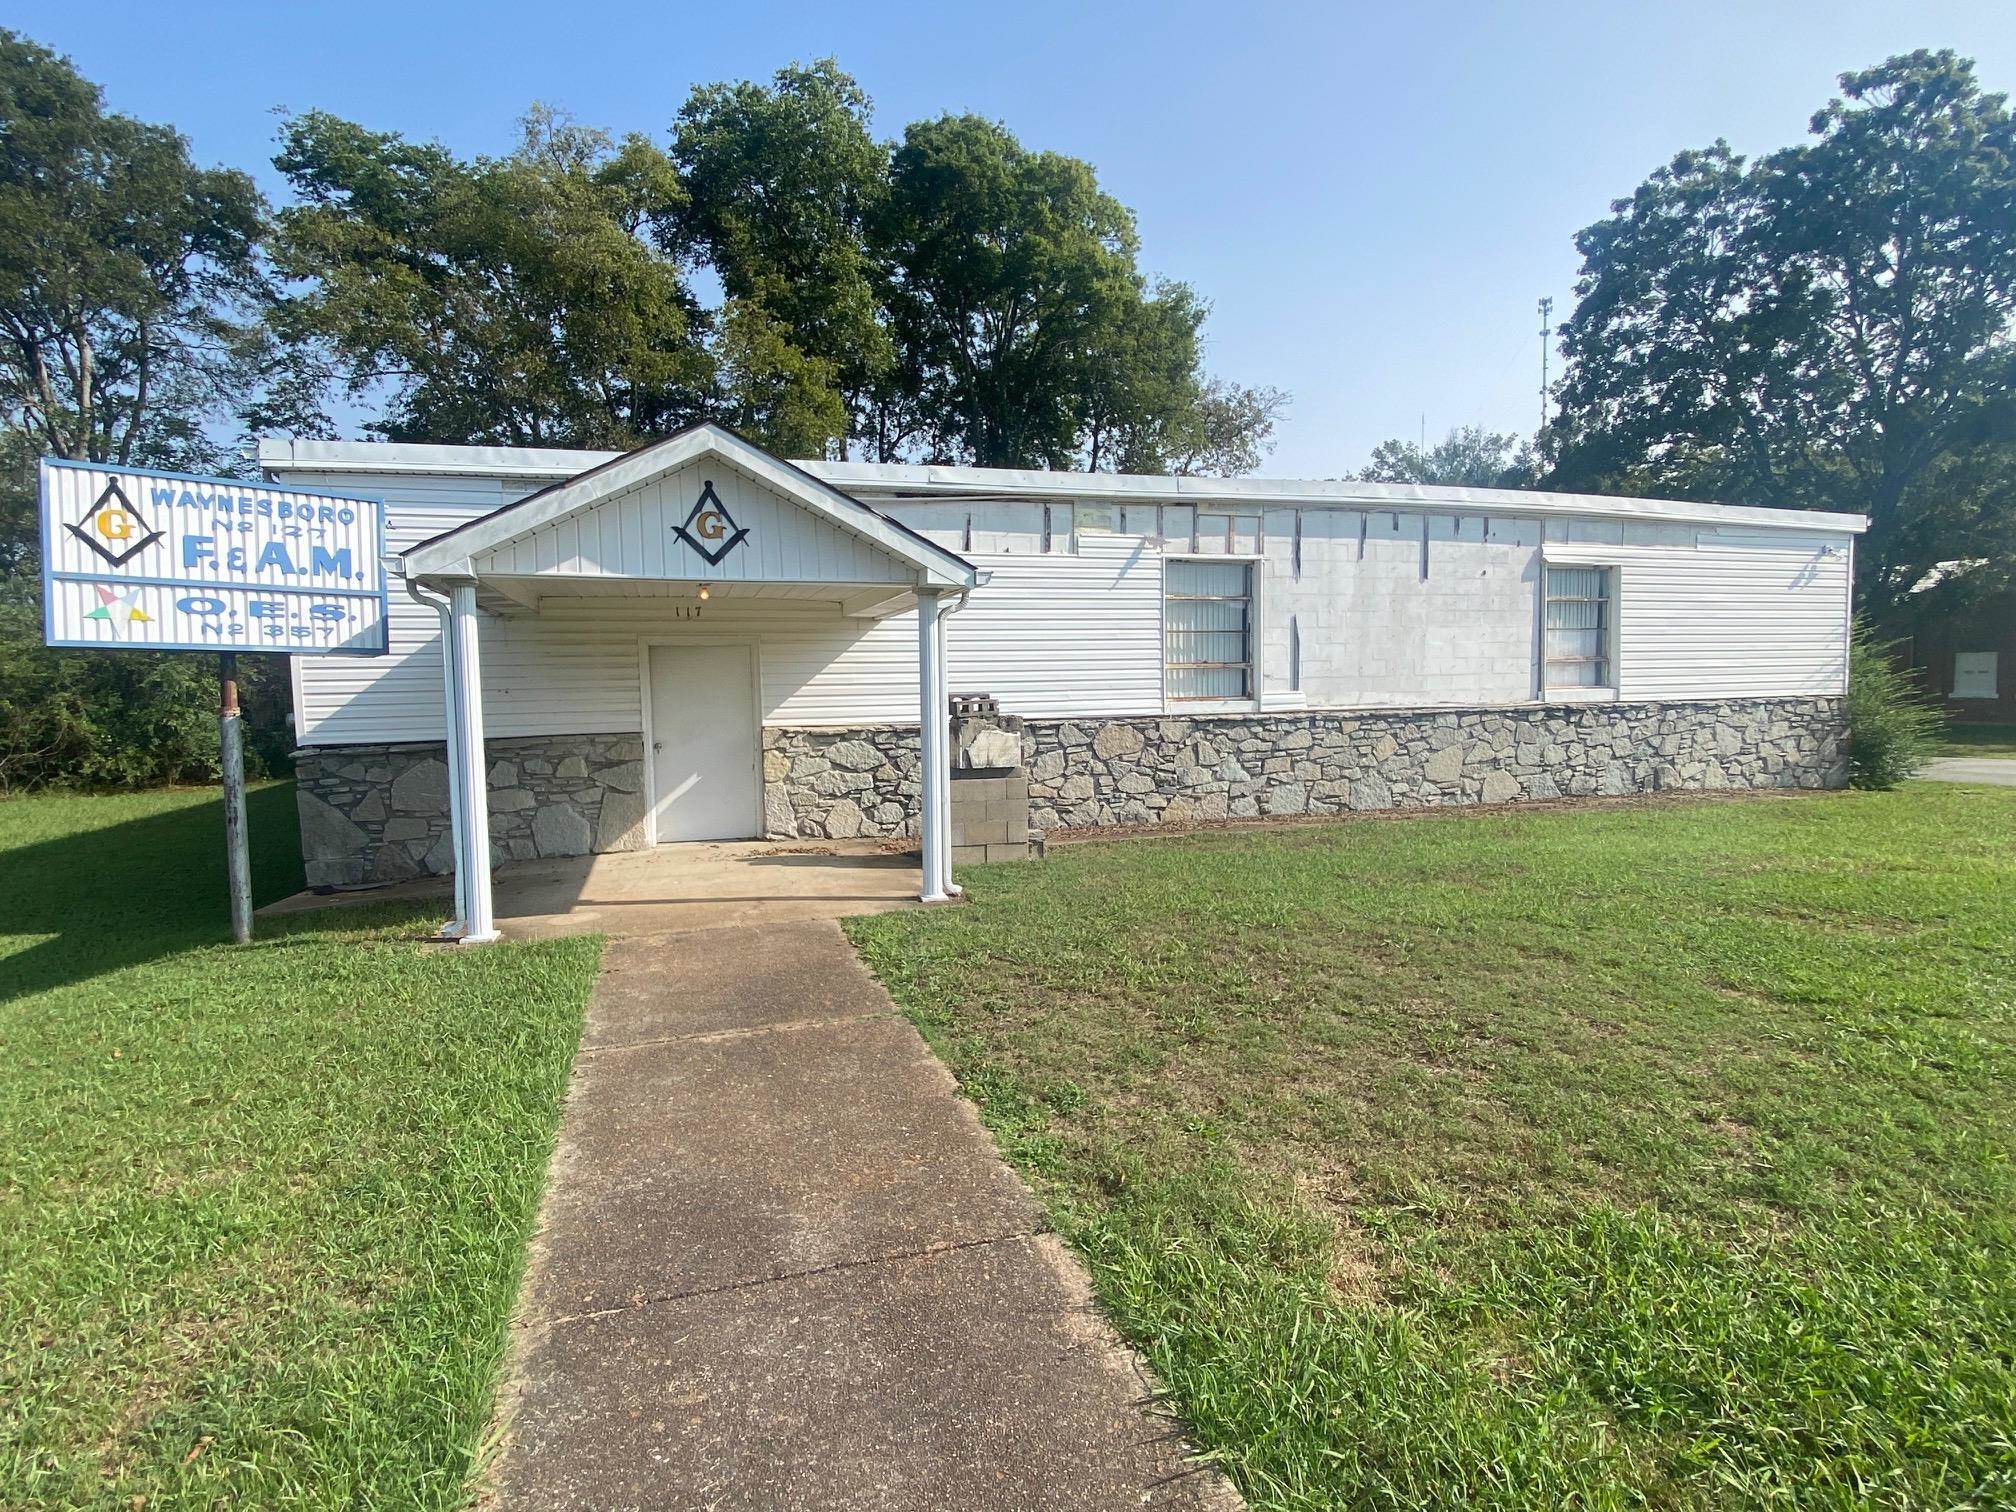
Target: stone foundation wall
point(1158, 770)
point(862, 783)
point(373, 814)
point(380, 813)
point(840, 784)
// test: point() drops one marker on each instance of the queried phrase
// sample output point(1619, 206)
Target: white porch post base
point(469, 789)
point(934, 796)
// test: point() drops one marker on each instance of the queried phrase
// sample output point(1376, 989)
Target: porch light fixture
point(703, 590)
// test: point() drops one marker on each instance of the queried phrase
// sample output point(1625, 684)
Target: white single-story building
point(699, 640)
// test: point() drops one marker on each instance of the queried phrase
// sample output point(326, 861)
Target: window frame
point(1607, 687)
point(1250, 699)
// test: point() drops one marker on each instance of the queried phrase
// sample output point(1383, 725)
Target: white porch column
point(451, 696)
point(934, 796)
point(471, 791)
point(944, 716)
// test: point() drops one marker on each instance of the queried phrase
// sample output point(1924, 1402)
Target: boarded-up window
point(1578, 627)
point(1232, 534)
point(1209, 629)
point(1974, 674)
point(1097, 519)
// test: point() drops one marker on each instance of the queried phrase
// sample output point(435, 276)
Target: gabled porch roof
point(816, 533)
point(703, 507)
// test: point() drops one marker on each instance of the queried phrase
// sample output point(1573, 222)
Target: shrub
point(121, 719)
point(1892, 730)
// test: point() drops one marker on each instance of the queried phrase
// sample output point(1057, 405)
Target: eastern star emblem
point(709, 528)
point(111, 601)
point(113, 527)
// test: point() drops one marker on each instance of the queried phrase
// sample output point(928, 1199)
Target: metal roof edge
point(921, 483)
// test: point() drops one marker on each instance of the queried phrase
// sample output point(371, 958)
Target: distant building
point(1966, 658)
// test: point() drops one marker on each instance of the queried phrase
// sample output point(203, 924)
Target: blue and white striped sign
point(166, 562)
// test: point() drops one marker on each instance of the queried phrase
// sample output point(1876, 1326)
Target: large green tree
point(1227, 432)
point(128, 275)
point(780, 181)
point(770, 390)
point(1010, 274)
point(1145, 404)
point(1468, 457)
point(1828, 327)
point(953, 296)
point(129, 286)
point(1025, 333)
point(519, 300)
point(1137, 380)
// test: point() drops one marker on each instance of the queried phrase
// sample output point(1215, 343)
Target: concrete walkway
point(1997, 771)
point(781, 1265)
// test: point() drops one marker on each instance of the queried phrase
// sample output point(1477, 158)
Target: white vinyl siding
point(1352, 608)
point(397, 696)
point(1398, 609)
point(1722, 614)
point(1063, 636)
point(573, 667)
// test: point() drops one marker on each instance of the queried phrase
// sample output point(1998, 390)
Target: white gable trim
point(453, 553)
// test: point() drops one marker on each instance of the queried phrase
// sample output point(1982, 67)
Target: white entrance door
point(704, 748)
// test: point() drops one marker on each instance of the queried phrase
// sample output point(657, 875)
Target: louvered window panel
point(1208, 623)
point(1578, 627)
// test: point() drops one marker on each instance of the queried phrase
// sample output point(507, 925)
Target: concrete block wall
point(1371, 626)
point(990, 789)
point(990, 816)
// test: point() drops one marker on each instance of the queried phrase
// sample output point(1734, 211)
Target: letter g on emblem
point(710, 521)
point(114, 527)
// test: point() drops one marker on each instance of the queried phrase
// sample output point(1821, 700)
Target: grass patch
point(1604, 1158)
point(262, 1210)
point(1978, 740)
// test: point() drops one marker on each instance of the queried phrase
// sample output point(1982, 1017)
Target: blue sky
point(1373, 197)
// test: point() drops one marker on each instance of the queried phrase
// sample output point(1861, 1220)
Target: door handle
point(657, 745)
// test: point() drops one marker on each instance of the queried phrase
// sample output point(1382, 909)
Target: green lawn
point(1616, 1157)
point(1979, 740)
point(262, 1210)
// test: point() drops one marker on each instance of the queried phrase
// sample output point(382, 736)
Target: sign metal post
point(231, 749)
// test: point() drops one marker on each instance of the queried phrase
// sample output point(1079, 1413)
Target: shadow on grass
point(107, 896)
